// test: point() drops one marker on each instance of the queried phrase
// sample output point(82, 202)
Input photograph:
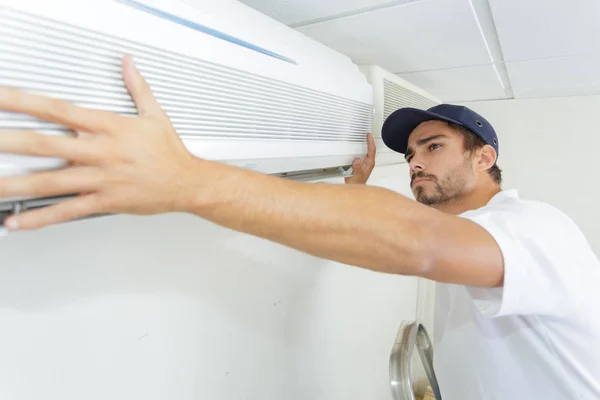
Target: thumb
point(139, 89)
point(356, 163)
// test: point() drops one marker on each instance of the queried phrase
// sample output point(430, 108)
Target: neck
point(472, 200)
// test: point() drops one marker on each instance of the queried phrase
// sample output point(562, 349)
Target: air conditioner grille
point(202, 99)
point(396, 96)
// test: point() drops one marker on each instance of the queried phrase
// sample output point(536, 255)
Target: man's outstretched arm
point(359, 225)
point(140, 166)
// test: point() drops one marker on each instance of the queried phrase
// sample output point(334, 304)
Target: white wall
point(549, 151)
point(173, 307)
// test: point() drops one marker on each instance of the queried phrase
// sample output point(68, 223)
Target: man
point(516, 315)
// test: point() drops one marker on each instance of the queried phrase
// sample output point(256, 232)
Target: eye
point(434, 146)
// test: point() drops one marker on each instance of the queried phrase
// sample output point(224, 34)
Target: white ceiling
point(461, 50)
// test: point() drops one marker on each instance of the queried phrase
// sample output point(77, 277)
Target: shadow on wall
point(170, 255)
point(155, 307)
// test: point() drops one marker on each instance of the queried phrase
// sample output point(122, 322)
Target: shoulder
point(507, 208)
point(547, 259)
point(530, 222)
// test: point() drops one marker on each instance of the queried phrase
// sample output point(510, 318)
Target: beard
point(442, 191)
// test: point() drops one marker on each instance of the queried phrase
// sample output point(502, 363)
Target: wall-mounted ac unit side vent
point(390, 93)
point(396, 96)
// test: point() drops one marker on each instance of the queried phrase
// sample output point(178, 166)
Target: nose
point(416, 164)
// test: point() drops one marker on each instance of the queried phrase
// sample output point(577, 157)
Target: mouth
point(419, 180)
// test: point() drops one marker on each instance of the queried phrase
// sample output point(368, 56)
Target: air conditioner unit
point(238, 86)
point(390, 92)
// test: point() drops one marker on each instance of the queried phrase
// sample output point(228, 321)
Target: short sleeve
point(545, 257)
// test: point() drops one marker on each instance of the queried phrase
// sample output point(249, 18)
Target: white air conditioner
point(390, 92)
point(238, 86)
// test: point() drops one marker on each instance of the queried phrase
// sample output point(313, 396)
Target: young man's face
point(441, 171)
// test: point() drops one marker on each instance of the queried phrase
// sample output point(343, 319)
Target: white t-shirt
point(537, 337)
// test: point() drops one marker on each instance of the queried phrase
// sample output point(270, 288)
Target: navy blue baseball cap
point(400, 124)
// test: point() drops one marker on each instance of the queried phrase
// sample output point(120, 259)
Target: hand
point(363, 168)
point(117, 164)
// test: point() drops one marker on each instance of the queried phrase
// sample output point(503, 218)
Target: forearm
point(358, 225)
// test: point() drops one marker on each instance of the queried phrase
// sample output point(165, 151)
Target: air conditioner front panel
point(269, 105)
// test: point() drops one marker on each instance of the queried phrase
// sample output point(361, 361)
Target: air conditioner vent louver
point(396, 96)
point(204, 100)
point(390, 93)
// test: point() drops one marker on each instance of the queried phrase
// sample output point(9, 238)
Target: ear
point(487, 158)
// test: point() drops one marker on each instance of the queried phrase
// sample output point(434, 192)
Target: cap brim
point(400, 124)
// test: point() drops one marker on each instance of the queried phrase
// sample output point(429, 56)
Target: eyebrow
point(421, 142)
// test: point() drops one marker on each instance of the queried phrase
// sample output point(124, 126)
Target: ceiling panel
point(587, 89)
point(535, 29)
point(424, 35)
point(565, 76)
point(294, 12)
point(564, 71)
point(460, 84)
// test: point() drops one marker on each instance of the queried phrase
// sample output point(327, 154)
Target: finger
point(356, 163)
point(67, 210)
point(55, 110)
point(370, 147)
point(139, 89)
point(37, 144)
point(53, 183)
